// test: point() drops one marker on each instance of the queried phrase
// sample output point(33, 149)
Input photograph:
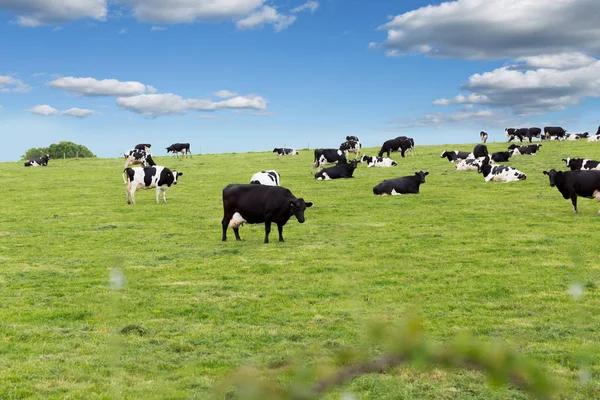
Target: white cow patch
point(268, 178)
point(595, 138)
point(470, 164)
point(324, 177)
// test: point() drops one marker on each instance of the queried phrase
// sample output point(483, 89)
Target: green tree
point(60, 150)
point(35, 152)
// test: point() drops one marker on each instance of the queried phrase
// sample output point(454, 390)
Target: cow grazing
point(480, 150)
point(573, 184)
point(269, 178)
point(337, 172)
point(157, 177)
point(554, 133)
point(350, 146)
point(257, 204)
point(401, 144)
point(500, 156)
point(454, 155)
point(38, 162)
point(378, 161)
point(283, 151)
point(499, 173)
point(183, 148)
point(483, 136)
point(404, 185)
point(133, 157)
point(577, 136)
point(581, 164)
point(328, 156)
point(143, 146)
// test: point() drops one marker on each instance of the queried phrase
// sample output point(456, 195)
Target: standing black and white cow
point(554, 133)
point(269, 177)
point(401, 144)
point(573, 184)
point(143, 146)
point(283, 151)
point(577, 136)
point(260, 204)
point(354, 138)
point(377, 161)
point(337, 172)
point(483, 136)
point(404, 185)
point(579, 164)
point(157, 177)
point(534, 132)
point(480, 150)
point(454, 155)
point(513, 133)
point(350, 146)
point(328, 156)
point(38, 162)
point(499, 173)
point(183, 148)
point(134, 156)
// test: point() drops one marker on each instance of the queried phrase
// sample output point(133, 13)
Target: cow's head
point(421, 176)
point(566, 160)
point(444, 154)
point(353, 164)
point(513, 146)
point(176, 175)
point(552, 174)
point(297, 208)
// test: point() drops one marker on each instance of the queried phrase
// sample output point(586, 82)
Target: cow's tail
point(315, 162)
point(126, 171)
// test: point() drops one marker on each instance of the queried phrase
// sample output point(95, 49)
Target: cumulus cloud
point(309, 5)
point(482, 29)
point(43, 110)
point(79, 112)
point(555, 61)
point(224, 94)
point(11, 84)
point(105, 87)
point(156, 105)
point(439, 119)
point(266, 15)
point(43, 12)
point(461, 99)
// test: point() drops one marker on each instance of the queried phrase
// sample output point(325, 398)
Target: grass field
point(496, 260)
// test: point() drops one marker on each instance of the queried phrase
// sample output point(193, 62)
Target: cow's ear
point(426, 173)
point(546, 173)
point(179, 173)
point(309, 204)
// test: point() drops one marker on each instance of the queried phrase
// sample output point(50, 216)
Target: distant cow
point(355, 138)
point(483, 136)
point(157, 177)
point(401, 144)
point(530, 149)
point(257, 204)
point(579, 164)
point(269, 178)
point(143, 146)
point(378, 161)
point(534, 133)
point(183, 148)
point(499, 173)
point(337, 172)
point(454, 155)
point(403, 185)
point(573, 184)
point(577, 136)
point(283, 151)
point(513, 133)
point(480, 150)
point(328, 156)
point(38, 162)
point(134, 156)
point(554, 132)
point(500, 156)
point(350, 146)
point(594, 138)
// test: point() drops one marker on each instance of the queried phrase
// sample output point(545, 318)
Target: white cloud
point(555, 61)
point(157, 28)
point(266, 15)
point(11, 84)
point(155, 105)
point(123, 31)
point(79, 112)
point(483, 29)
point(461, 99)
point(309, 5)
point(224, 94)
point(263, 114)
point(43, 12)
point(105, 87)
point(44, 110)
point(438, 119)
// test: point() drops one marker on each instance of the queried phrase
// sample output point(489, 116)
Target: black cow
point(183, 148)
point(157, 177)
point(143, 146)
point(328, 156)
point(554, 132)
point(480, 150)
point(339, 171)
point(500, 156)
point(483, 136)
point(578, 164)
point(534, 133)
point(134, 156)
point(283, 151)
point(454, 155)
point(350, 146)
point(401, 144)
point(572, 184)
point(257, 204)
point(403, 185)
point(38, 162)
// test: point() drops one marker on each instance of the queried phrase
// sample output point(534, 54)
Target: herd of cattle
point(263, 200)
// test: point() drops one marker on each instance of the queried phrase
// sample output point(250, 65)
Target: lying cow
point(133, 157)
point(454, 155)
point(577, 136)
point(283, 151)
point(499, 173)
point(257, 204)
point(500, 156)
point(530, 149)
point(594, 138)
point(157, 177)
point(183, 148)
point(483, 136)
point(269, 178)
point(337, 172)
point(573, 184)
point(581, 164)
point(469, 164)
point(38, 162)
point(328, 156)
point(480, 150)
point(378, 161)
point(403, 185)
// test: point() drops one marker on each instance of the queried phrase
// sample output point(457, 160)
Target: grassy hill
point(497, 260)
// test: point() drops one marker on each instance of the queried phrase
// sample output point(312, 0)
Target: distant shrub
point(59, 150)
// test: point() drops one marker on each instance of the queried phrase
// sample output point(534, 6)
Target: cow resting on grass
point(38, 162)
point(403, 185)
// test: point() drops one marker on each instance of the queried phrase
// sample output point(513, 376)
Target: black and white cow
point(454, 155)
point(579, 164)
point(284, 151)
point(499, 173)
point(183, 148)
point(378, 161)
point(355, 138)
point(500, 156)
point(577, 136)
point(469, 164)
point(404, 185)
point(350, 146)
point(480, 150)
point(143, 146)
point(158, 177)
point(256, 204)
point(269, 177)
point(530, 149)
point(534, 132)
point(401, 144)
point(573, 184)
point(38, 162)
point(594, 138)
point(554, 133)
point(328, 156)
point(513, 133)
point(483, 136)
point(598, 131)
point(134, 156)
point(337, 172)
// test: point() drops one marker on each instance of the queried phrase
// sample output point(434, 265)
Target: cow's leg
point(280, 230)
point(127, 194)
point(267, 230)
point(132, 194)
point(225, 223)
point(157, 193)
point(164, 192)
point(574, 201)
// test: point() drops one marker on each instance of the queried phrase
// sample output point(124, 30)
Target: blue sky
point(250, 75)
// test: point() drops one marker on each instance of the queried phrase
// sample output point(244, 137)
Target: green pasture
point(100, 299)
